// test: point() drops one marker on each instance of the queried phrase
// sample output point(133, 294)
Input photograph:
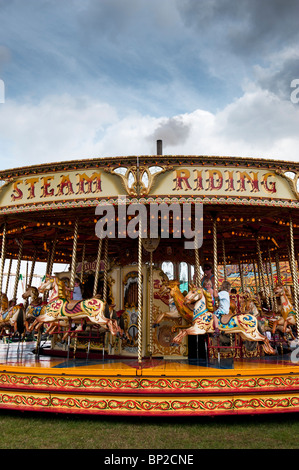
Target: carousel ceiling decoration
point(138, 180)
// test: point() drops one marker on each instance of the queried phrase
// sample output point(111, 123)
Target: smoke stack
point(159, 147)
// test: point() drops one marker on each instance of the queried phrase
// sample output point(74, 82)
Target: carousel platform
point(156, 387)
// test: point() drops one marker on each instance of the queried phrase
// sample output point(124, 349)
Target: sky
point(103, 78)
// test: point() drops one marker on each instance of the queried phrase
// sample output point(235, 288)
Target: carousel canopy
point(246, 199)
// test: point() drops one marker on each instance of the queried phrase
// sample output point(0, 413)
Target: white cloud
point(60, 128)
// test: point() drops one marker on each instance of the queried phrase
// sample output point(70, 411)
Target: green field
point(22, 430)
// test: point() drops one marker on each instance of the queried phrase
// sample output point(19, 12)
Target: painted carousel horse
point(11, 317)
point(202, 322)
point(177, 306)
point(60, 309)
point(286, 317)
point(36, 306)
point(248, 303)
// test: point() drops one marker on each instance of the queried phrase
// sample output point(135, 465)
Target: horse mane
point(61, 288)
point(209, 300)
point(4, 301)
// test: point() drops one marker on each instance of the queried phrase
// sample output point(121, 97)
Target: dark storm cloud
point(244, 26)
point(278, 77)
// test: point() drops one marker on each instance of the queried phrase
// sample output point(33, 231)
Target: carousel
point(130, 324)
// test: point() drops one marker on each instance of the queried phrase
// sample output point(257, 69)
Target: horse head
point(280, 290)
point(47, 284)
point(31, 291)
point(193, 295)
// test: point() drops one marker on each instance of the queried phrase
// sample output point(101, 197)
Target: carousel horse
point(11, 316)
point(202, 322)
point(177, 306)
point(60, 309)
point(248, 304)
point(35, 307)
point(286, 315)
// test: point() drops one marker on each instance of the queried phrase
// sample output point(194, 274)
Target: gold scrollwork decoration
point(138, 180)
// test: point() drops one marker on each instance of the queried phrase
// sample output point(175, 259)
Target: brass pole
point(105, 286)
point(295, 274)
point(8, 276)
point(140, 294)
point(21, 243)
point(83, 261)
point(74, 255)
point(52, 255)
point(215, 253)
point(279, 280)
point(224, 260)
point(151, 304)
point(3, 251)
point(97, 273)
point(272, 282)
point(262, 272)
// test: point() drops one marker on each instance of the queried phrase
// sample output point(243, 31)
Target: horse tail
point(106, 310)
point(20, 321)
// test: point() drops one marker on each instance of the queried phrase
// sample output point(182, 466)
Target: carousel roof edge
point(149, 160)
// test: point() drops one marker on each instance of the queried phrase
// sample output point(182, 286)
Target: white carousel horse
point(286, 314)
point(245, 324)
point(58, 308)
point(177, 306)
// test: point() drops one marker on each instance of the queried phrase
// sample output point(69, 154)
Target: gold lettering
point(198, 180)
point(211, 180)
point(85, 180)
point(271, 186)
point(19, 193)
point(229, 182)
point(65, 182)
point(31, 182)
point(181, 179)
point(253, 180)
point(46, 185)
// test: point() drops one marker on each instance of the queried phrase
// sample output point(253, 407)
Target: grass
point(46, 431)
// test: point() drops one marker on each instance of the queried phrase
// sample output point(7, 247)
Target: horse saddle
point(226, 318)
point(71, 305)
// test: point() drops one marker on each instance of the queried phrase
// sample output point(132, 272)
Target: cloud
point(277, 77)
point(58, 128)
point(174, 131)
point(62, 128)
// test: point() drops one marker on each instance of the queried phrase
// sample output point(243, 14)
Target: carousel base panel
point(154, 387)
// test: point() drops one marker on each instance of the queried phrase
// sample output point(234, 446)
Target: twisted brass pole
point(3, 251)
point(140, 294)
point(151, 304)
point(74, 255)
point(224, 260)
point(8, 276)
point(82, 263)
point(215, 253)
point(52, 255)
point(97, 273)
point(279, 280)
point(105, 286)
point(21, 244)
point(295, 274)
point(272, 282)
point(262, 272)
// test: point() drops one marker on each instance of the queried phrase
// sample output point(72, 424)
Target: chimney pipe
point(159, 147)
